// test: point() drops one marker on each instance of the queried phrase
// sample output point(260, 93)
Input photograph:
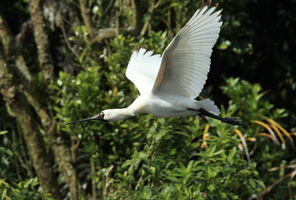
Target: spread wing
point(142, 69)
point(186, 61)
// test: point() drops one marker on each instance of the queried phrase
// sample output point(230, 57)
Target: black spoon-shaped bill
point(82, 120)
point(99, 116)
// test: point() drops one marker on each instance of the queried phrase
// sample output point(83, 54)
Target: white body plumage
point(169, 83)
point(161, 106)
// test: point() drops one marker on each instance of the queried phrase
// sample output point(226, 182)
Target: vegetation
point(66, 60)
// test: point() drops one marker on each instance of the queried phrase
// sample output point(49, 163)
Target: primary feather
point(186, 61)
point(142, 69)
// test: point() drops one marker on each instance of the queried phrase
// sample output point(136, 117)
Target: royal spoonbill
point(169, 83)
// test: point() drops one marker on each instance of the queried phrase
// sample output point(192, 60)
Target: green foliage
point(21, 190)
point(11, 186)
point(154, 158)
point(247, 100)
point(147, 157)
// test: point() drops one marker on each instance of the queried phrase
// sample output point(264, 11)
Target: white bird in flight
point(169, 83)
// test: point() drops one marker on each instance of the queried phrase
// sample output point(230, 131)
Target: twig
point(147, 22)
point(93, 178)
point(86, 17)
point(6, 38)
point(242, 138)
point(269, 188)
point(67, 41)
point(117, 16)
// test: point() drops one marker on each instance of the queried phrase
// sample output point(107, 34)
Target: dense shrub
point(154, 158)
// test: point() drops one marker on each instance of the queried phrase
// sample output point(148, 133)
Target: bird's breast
point(166, 108)
point(161, 106)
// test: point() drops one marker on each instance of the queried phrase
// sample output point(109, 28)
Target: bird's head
point(108, 115)
point(116, 114)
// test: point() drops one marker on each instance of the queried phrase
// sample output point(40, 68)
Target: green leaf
point(211, 151)
point(211, 187)
point(211, 172)
point(252, 183)
point(218, 152)
point(236, 23)
point(3, 132)
point(174, 4)
point(245, 172)
point(6, 151)
point(4, 193)
point(230, 155)
point(174, 179)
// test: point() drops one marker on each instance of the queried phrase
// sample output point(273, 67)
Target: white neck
point(138, 106)
point(118, 114)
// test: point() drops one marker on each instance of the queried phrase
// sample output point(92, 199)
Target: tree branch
point(34, 141)
point(85, 12)
point(139, 7)
point(8, 90)
point(5, 36)
point(41, 38)
point(151, 8)
point(269, 188)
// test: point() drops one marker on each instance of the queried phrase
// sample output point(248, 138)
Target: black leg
point(229, 120)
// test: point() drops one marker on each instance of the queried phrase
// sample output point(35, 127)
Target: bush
point(154, 158)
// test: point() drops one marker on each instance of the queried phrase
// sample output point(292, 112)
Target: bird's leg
point(229, 120)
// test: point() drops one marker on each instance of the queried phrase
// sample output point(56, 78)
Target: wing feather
point(142, 69)
point(186, 60)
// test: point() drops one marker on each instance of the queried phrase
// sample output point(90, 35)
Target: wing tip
point(136, 47)
point(208, 4)
point(202, 4)
point(219, 11)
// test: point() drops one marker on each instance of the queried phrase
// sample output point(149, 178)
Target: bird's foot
point(232, 120)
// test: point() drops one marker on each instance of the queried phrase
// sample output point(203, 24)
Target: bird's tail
point(209, 106)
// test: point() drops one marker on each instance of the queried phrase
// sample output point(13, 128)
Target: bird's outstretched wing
point(142, 69)
point(186, 61)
